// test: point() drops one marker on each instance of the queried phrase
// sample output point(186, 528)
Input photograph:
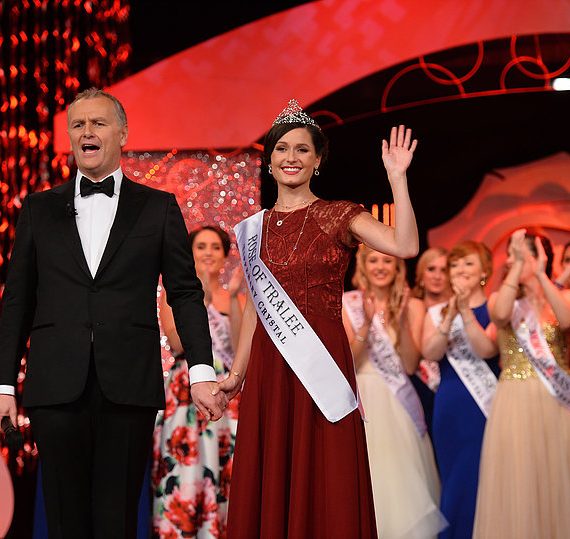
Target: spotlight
point(561, 84)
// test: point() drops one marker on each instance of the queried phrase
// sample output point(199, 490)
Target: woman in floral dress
point(193, 458)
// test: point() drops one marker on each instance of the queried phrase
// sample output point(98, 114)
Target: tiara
point(293, 113)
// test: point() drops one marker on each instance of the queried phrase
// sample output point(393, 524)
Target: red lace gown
point(295, 474)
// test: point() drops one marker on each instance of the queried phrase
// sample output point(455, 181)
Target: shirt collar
point(117, 175)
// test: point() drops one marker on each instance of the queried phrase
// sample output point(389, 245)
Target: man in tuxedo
point(82, 286)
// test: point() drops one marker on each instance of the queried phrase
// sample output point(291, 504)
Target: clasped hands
point(211, 398)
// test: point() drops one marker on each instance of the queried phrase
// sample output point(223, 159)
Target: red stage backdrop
point(225, 92)
point(212, 188)
point(535, 194)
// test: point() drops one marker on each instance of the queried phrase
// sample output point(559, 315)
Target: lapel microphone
point(70, 210)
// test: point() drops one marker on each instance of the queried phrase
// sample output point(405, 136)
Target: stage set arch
point(223, 93)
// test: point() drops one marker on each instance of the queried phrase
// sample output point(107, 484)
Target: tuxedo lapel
point(131, 201)
point(64, 213)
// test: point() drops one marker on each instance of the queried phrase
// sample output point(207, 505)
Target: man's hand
point(209, 399)
point(8, 408)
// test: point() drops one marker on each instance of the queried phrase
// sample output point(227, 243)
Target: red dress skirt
point(296, 475)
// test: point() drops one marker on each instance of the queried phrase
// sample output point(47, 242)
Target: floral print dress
point(192, 458)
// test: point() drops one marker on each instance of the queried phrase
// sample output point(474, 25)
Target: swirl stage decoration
point(520, 64)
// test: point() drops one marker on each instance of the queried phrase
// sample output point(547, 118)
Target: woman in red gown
point(297, 475)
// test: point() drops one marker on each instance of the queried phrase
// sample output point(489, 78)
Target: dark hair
point(224, 237)
point(320, 141)
point(92, 93)
point(529, 237)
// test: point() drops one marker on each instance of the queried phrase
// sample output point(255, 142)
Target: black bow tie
point(88, 187)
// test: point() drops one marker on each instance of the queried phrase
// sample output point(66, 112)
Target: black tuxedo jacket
point(51, 297)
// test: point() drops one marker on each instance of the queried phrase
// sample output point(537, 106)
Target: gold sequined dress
point(524, 479)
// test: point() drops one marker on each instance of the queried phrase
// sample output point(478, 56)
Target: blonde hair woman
point(383, 325)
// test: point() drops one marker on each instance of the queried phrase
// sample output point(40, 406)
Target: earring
point(316, 171)
point(269, 169)
point(483, 280)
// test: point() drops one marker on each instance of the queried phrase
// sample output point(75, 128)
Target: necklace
point(279, 222)
point(296, 242)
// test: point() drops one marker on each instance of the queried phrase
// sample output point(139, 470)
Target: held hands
point(397, 155)
point(209, 400)
point(231, 386)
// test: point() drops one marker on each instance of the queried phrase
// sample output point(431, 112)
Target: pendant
point(279, 222)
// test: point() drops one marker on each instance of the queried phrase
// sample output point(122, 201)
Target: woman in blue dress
point(460, 336)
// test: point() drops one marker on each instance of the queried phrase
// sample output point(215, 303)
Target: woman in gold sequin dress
point(525, 466)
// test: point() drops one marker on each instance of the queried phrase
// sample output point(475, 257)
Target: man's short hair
point(91, 93)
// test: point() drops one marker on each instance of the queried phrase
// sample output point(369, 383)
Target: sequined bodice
point(314, 274)
point(514, 362)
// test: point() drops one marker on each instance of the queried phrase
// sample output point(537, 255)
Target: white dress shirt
point(94, 218)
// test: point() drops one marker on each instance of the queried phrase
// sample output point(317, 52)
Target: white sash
point(221, 336)
point(386, 360)
point(292, 335)
point(473, 371)
point(533, 342)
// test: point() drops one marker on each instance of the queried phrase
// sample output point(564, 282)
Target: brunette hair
point(223, 235)
point(530, 237)
point(320, 140)
point(427, 257)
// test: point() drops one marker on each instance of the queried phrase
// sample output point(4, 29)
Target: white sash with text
point(533, 342)
point(386, 360)
point(290, 332)
point(221, 336)
point(473, 371)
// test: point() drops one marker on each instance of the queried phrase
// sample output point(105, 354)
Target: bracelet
point(359, 338)
point(510, 285)
point(558, 285)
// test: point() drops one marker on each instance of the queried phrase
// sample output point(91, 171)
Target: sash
point(291, 334)
point(473, 371)
point(221, 336)
point(532, 340)
point(386, 360)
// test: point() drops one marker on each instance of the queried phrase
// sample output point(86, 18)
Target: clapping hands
point(236, 281)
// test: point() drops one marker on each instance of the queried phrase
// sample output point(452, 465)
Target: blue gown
point(458, 426)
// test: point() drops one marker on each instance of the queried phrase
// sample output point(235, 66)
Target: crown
point(293, 113)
